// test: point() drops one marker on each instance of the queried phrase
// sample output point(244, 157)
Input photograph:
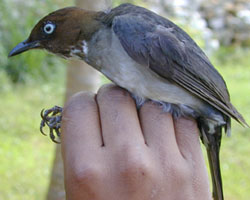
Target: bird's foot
point(52, 118)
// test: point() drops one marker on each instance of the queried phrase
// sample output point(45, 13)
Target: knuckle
point(107, 87)
point(135, 166)
point(78, 102)
point(150, 106)
point(186, 124)
point(135, 170)
point(87, 175)
point(111, 92)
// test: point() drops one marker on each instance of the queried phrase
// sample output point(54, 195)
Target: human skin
point(112, 151)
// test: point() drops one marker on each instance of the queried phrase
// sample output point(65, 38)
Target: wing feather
point(168, 51)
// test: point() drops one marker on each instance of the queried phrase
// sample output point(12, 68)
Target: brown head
point(61, 31)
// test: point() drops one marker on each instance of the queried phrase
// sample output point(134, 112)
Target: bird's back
point(198, 64)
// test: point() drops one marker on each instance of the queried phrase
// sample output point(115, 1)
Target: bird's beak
point(23, 46)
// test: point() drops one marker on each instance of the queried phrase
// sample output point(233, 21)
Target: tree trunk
point(80, 77)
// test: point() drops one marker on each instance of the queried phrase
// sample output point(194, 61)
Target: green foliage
point(25, 154)
point(118, 2)
point(135, 2)
point(233, 56)
point(17, 18)
point(234, 65)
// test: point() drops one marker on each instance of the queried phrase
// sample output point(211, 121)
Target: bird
point(149, 56)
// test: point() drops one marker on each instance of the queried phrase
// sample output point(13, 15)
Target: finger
point(158, 129)
point(80, 126)
point(187, 135)
point(119, 118)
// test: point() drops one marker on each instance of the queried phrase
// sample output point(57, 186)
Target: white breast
point(110, 58)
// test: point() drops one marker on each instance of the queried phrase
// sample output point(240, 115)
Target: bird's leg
point(52, 118)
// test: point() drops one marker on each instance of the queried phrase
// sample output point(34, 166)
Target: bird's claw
point(52, 118)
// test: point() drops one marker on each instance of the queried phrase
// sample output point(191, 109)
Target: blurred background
point(29, 166)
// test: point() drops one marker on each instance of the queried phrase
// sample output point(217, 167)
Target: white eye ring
point(49, 28)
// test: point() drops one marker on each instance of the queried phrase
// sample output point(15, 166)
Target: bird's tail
point(212, 142)
point(214, 164)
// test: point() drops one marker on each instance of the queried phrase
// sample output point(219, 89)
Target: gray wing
point(171, 53)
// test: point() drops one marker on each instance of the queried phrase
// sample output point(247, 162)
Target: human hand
point(113, 152)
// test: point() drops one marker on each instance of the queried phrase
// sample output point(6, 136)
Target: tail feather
point(214, 164)
point(238, 117)
point(212, 142)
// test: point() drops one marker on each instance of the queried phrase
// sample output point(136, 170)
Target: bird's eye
point(49, 28)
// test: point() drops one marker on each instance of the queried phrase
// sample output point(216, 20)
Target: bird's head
point(62, 32)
